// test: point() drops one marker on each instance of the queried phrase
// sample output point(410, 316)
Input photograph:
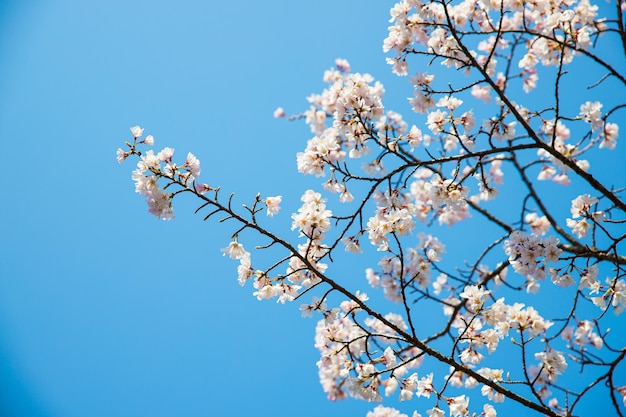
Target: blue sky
point(105, 311)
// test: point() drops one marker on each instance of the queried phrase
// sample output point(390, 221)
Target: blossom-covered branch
point(481, 152)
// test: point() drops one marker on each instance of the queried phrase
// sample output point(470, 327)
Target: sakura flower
point(203, 188)
point(588, 279)
point(316, 304)
point(436, 120)
point(273, 205)
point(342, 65)
point(421, 79)
point(414, 137)
point(192, 164)
point(122, 155)
point(279, 112)
point(609, 135)
point(579, 227)
point(352, 244)
point(529, 78)
point(551, 251)
point(345, 196)
point(235, 250)
point(148, 140)
point(582, 204)
point(136, 131)
point(244, 270)
point(590, 112)
point(435, 412)
point(482, 93)
point(399, 66)
point(266, 292)
point(539, 225)
point(474, 296)
point(494, 375)
point(449, 102)
point(471, 355)
point(619, 296)
point(381, 411)
point(425, 387)
point(467, 120)
point(286, 292)
point(552, 363)
point(166, 155)
point(563, 280)
point(389, 357)
point(312, 218)
point(458, 405)
point(562, 178)
point(489, 411)
point(529, 61)
point(372, 278)
point(405, 394)
point(525, 252)
point(546, 173)
point(421, 102)
point(148, 162)
point(440, 283)
point(160, 204)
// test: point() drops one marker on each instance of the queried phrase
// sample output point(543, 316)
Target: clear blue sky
point(105, 311)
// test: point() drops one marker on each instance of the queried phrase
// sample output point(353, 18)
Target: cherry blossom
point(273, 205)
point(235, 250)
point(136, 131)
point(279, 112)
point(552, 363)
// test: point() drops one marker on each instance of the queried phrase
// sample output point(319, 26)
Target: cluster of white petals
point(504, 317)
point(273, 204)
point(444, 198)
point(554, 29)
point(387, 221)
point(529, 255)
point(347, 366)
point(149, 171)
point(413, 269)
point(341, 118)
point(312, 218)
point(146, 184)
point(381, 411)
point(552, 363)
point(483, 327)
point(581, 207)
point(583, 334)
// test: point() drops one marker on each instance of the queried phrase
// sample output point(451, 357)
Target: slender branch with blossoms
point(493, 338)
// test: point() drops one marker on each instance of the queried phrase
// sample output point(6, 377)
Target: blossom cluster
point(413, 270)
point(529, 256)
point(555, 31)
point(557, 134)
point(354, 103)
point(149, 171)
point(348, 364)
point(581, 207)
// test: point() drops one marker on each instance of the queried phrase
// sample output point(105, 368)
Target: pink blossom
point(148, 140)
point(136, 131)
point(342, 65)
point(279, 112)
point(203, 188)
point(273, 205)
point(235, 250)
point(121, 155)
